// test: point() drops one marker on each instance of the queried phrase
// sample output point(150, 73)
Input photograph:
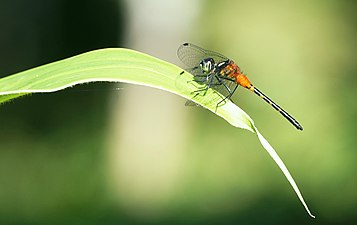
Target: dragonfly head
point(207, 65)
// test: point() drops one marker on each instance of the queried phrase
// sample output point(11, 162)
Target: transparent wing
point(191, 55)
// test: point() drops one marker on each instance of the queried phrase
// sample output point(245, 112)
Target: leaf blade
point(124, 65)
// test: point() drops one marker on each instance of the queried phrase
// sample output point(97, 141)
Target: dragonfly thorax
point(228, 68)
point(207, 65)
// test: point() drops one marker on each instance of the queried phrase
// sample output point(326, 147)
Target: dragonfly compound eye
point(207, 65)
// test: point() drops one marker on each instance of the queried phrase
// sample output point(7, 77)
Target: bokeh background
point(96, 155)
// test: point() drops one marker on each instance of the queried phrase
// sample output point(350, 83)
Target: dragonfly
point(222, 74)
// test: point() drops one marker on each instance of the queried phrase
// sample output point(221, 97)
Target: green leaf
point(124, 65)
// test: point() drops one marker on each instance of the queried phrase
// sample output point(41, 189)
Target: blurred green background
point(92, 155)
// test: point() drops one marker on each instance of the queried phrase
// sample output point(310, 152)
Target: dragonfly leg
point(228, 96)
point(208, 81)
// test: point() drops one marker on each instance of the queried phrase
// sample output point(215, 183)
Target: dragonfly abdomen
point(277, 107)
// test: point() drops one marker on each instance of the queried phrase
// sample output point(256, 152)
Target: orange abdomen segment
point(243, 81)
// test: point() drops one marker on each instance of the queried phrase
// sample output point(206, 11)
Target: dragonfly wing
point(196, 71)
point(192, 55)
point(217, 57)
